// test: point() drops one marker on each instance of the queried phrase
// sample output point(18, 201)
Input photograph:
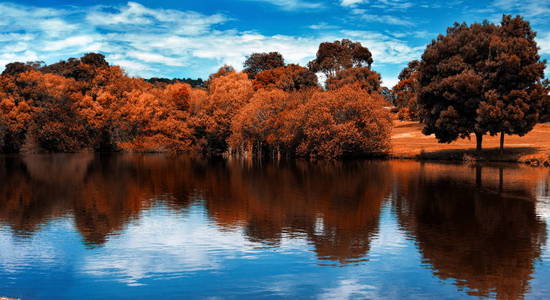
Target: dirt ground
point(409, 142)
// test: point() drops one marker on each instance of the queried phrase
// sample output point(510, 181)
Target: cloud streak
point(292, 5)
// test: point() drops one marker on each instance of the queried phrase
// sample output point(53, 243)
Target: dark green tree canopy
point(259, 62)
point(339, 55)
point(482, 78)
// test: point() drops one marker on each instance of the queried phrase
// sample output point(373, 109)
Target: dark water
point(137, 227)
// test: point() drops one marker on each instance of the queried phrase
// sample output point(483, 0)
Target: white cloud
point(70, 42)
point(543, 41)
point(381, 4)
point(349, 289)
point(535, 11)
point(156, 58)
point(322, 26)
point(351, 2)
point(135, 16)
point(528, 8)
point(292, 4)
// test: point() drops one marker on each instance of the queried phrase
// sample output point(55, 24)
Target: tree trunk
point(479, 140)
point(501, 141)
point(478, 175)
point(500, 180)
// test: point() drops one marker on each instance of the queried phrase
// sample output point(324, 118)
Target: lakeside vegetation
point(477, 80)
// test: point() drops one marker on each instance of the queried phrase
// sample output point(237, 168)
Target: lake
point(85, 226)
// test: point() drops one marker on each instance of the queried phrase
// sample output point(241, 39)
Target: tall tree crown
point(339, 55)
point(481, 79)
point(259, 62)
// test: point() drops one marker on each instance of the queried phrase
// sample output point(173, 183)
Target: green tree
point(481, 79)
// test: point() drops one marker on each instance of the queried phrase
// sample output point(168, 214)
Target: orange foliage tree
point(406, 91)
point(257, 126)
point(361, 77)
point(15, 116)
point(227, 95)
point(55, 124)
point(343, 122)
point(288, 78)
point(159, 120)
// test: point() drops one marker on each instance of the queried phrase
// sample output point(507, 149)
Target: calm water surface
point(130, 226)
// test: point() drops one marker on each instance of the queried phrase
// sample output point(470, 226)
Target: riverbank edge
point(536, 160)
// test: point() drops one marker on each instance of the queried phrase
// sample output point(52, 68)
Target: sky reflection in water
point(139, 226)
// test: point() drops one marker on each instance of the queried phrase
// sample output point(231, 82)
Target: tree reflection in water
point(475, 225)
point(472, 225)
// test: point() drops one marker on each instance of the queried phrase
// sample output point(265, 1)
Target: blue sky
point(187, 38)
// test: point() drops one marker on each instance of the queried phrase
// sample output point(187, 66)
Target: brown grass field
point(409, 142)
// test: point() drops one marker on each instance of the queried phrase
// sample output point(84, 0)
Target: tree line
point(478, 79)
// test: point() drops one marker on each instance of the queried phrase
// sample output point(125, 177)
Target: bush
point(343, 122)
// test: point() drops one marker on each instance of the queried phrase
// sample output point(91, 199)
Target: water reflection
point(166, 217)
point(472, 228)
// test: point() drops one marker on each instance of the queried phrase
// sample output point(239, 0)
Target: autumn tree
point(343, 122)
point(288, 78)
point(15, 119)
point(259, 62)
point(406, 92)
point(15, 114)
point(94, 59)
point(16, 68)
point(55, 125)
point(481, 79)
point(81, 69)
point(361, 77)
point(256, 127)
point(103, 106)
point(227, 94)
point(339, 55)
point(160, 119)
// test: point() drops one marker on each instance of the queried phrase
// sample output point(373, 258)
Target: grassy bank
point(408, 142)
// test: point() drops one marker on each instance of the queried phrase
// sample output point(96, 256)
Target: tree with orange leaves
point(15, 117)
point(361, 77)
point(343, 122)
point(55, 125)
point(406, 92)
point(256, 126)
point(158, 120)
point(227, 95)
point(288, 78)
